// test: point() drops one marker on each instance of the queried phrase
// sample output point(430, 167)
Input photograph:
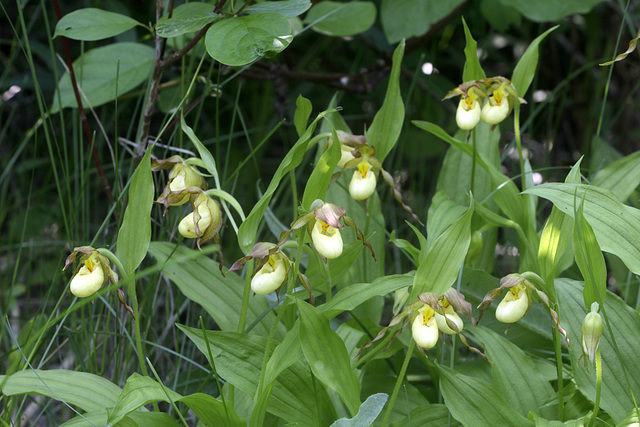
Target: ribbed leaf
point(443, 261)
point(369, 411)
point(515, 375)
point(86, 391)
point(616, 226)
point(387, 124)
point(589, 259)
point(320, 178)
point(433, 415)
point(327, 356)
point(621, 176)
point(616, 397)
point(526, 67)
point(238, 358)
point(135, 233)
point(475, 403)
point(134, 419)
point(199, 278)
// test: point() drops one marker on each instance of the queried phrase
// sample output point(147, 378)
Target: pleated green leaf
point(238, 358)
point(140, 391)
point(472, 68)
point(621, 176)
point(615, 225)
point(135, 233)
point(88, 392)
point(475, 403)
point(589, 259)
point(387, 124)
point(616, 396)
point(440, 268)
point(248, 229)
point(320, 178)
point(515, 375)
point(199, 278)
point(134, 419)
point(369, 411)
point(433, 415)
point(526, 67)
point(93, 24)
point(327, 356)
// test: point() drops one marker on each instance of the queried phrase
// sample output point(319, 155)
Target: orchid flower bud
point(425, 328)
point(514, 305)
point(182, 177)
point(453, 317)
point(496, 109)
point(271, 276)
point(326, 239)
point(468, 113)
point(592, 329)
point(204, 222)
point(363, 183)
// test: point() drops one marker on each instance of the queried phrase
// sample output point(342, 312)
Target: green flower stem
point(473, 164)
point(131, 290)
point(516, 128)
point(396, 389)
point(596, 405)
point(245, 298)
point(557, 342)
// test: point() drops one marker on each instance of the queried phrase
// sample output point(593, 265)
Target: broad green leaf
point(317, 271)
point(248, 229)
point(432, 415)
point(410, 396)
point(139, 391)
point(93, 24)
point(632, 419)
point(320, 178)
point(403, 19)
point(135, 233)
point(88, 392)
point(327, 356)
point(102, 71)
point(333, 18)
point(550, 10)
point(186, 18)
point(543, 422)
point(621, 176)
point(589, 259)
point(286, 8)
point(442, 213)
point(442, 264)
point(238, 358)
point(472, 69)
point(353, 295)
point(387, 124)
point(616, 397)
point(526, 67)
point(616, 226)
point(369, 411)
point(515, 375)
point(303, 112)
point(240, 40)
point(134, 419)
point(200, 280)
point(474, 403)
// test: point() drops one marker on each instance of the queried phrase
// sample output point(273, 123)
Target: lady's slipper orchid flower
point(363, 182)
point(93, 273)
point(514, 305)
point(271, 276)
point(184, 180)
point(204, 222)
point(468, 112)
point(326, 239)
point(592, 330)
point(424, 328)
point(497, 108)
point(451, 316)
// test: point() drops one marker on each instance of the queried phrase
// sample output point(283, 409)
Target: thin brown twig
point(83, 116)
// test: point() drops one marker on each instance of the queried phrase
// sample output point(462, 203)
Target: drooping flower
point(592, 330)
point(424, 328)
point(363, 182)
point(93, 273)
point(184, 180)
point(514, 305)
point(348, 143)
point(204, 222)
point(326, 239)
point(451, 316)
point(271, 276)
point(497, 107)
point(468, 112)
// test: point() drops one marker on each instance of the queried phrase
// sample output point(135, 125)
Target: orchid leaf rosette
point(324, 222)
point(272, 268)
point(184, 180)
point(432, 315)
point(518, 300)
point(92, 273)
